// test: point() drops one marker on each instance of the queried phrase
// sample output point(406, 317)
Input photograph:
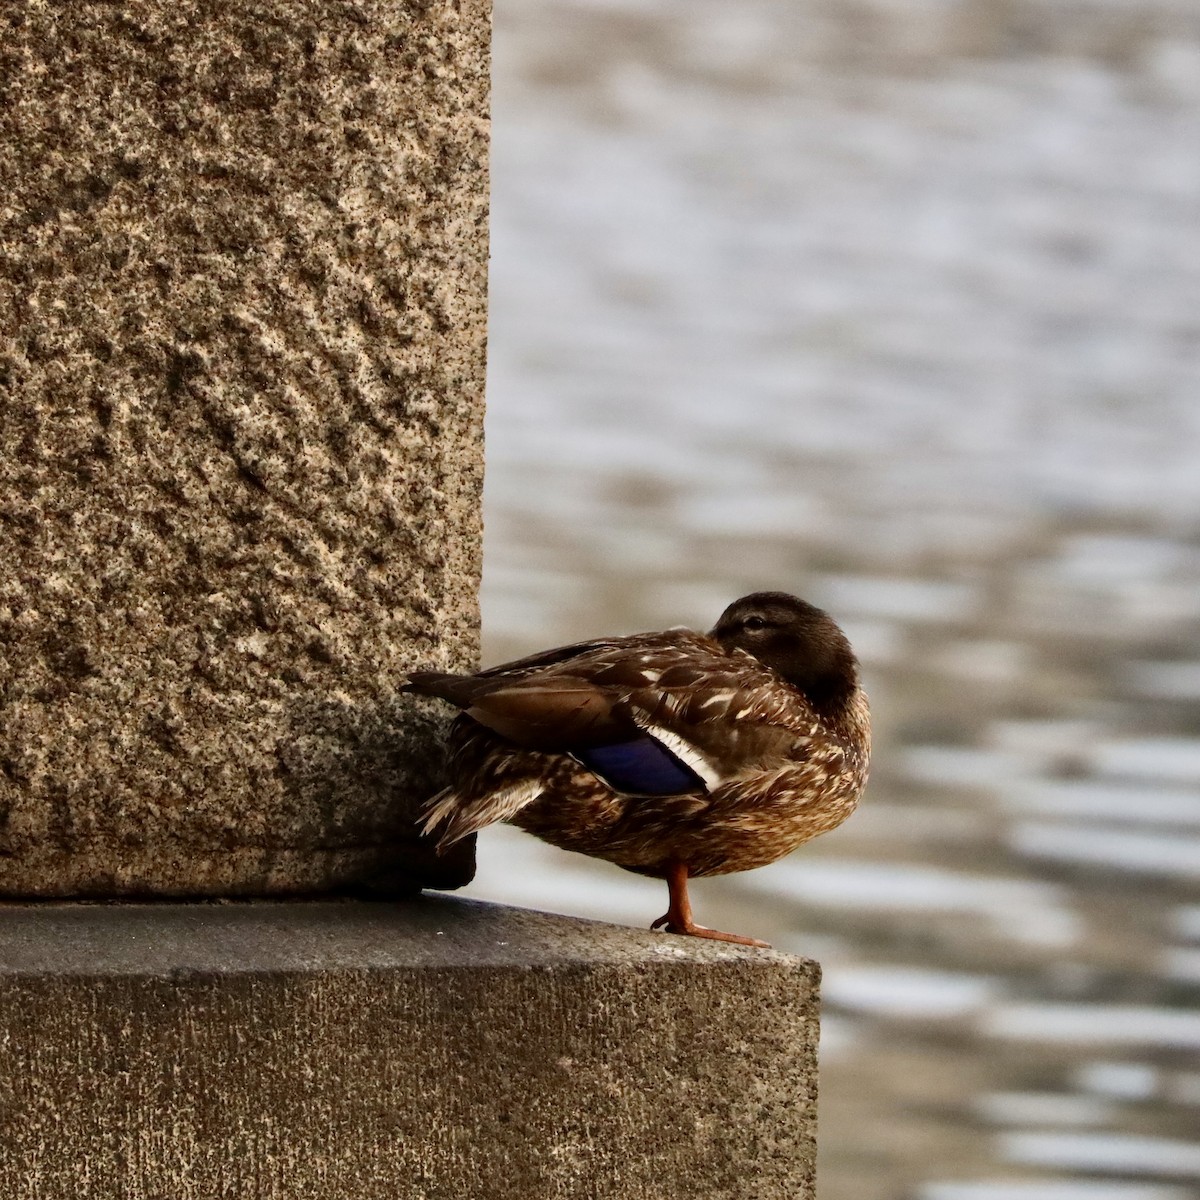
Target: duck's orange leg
point(678, 917)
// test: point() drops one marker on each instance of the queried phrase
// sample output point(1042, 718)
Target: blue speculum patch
point(641, 767)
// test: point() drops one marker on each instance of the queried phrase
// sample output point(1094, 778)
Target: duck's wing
point(546, 711)
point(592, 700)
point(652, 714)
point(562, 699)
point(545, 701)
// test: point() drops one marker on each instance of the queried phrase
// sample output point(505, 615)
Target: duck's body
point(671, 754)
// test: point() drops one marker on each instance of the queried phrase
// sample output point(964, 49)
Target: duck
point(675, 755)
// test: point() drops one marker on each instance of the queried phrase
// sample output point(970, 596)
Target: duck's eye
point(752, 623)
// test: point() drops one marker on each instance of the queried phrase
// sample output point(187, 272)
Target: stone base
point(431, 1049)
point(107, 869)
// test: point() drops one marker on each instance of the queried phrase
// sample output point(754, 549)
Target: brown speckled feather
point(773, 768)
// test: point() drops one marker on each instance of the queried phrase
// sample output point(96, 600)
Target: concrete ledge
point(431, 1049)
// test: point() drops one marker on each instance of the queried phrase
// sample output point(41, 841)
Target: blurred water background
point(894, 304)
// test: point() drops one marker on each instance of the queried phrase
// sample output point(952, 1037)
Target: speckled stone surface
point(242, 324)
point(432, 1050)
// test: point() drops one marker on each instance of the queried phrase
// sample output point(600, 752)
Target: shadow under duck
point(673, 755)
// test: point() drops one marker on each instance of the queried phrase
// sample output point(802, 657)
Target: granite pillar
point(242, 317)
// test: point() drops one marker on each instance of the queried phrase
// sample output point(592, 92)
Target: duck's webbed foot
point(702, 931)
point(678, 917)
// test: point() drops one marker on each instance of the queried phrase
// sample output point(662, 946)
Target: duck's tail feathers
point(451, 816)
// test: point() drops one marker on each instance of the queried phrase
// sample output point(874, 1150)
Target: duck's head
point(800, 641)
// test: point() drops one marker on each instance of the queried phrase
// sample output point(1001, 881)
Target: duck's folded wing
point(560, 714)
point(617, 741)
point(549, 712)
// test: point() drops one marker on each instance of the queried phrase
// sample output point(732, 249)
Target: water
point(896, 307)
